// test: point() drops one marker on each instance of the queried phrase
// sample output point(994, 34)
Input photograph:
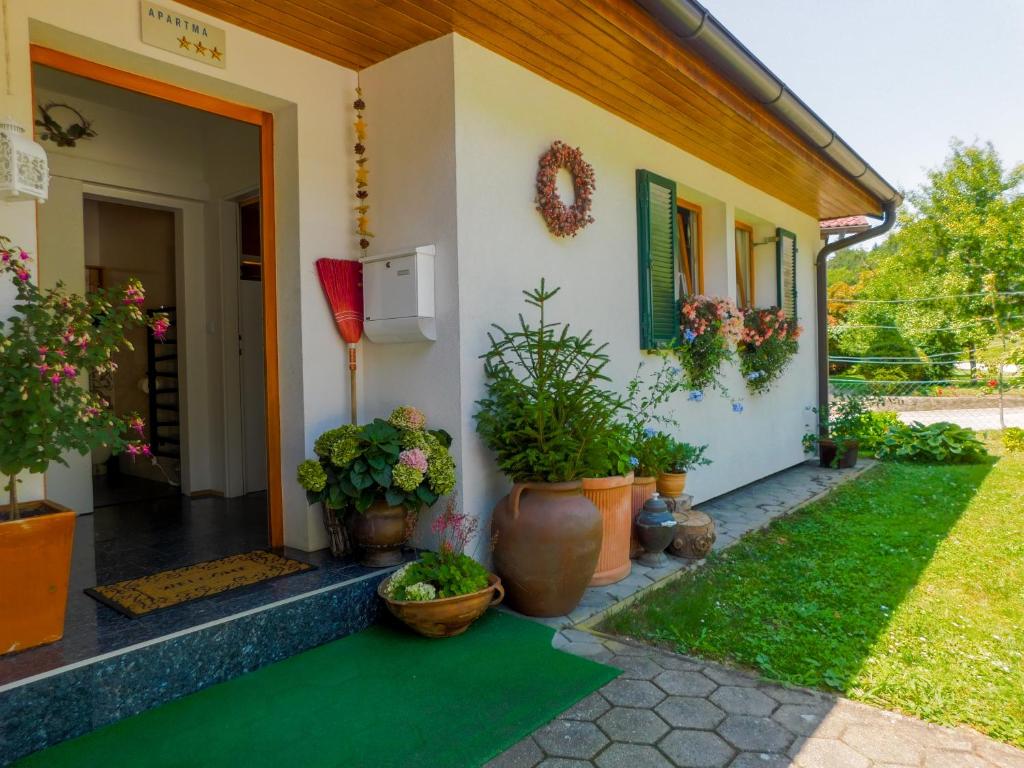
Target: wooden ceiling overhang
point(610, 52)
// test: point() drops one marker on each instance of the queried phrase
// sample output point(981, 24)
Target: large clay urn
point(547, 541)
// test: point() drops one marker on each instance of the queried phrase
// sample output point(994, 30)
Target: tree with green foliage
point(964, 223)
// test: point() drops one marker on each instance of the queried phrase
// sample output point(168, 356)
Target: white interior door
point(253, 389)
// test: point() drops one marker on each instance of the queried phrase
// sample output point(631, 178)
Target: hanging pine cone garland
point(565, 220)
point(362, 178)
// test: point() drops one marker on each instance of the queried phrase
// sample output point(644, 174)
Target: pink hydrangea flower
point(415, 458)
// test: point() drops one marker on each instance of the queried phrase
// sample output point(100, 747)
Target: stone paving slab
point(667, 710)
point(672, 711)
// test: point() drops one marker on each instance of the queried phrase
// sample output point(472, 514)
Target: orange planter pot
point(35, 564)
point(671, 485)
point(643, 489)
point(613, 496)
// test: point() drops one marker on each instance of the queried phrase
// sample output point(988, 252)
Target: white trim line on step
point(188, 630)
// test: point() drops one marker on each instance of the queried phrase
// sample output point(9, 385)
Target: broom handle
point(352, 378)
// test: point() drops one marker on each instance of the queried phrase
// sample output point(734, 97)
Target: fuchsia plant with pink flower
point(53, 338)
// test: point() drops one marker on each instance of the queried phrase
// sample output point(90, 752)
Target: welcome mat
point(138, 597)
point(381, 698)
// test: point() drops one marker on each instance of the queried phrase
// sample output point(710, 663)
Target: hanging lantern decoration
point(24, 170)
point(362, 175)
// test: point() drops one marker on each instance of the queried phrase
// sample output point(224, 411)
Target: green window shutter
point(657, 240)
point(785, 270)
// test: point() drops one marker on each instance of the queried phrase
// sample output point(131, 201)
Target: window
point(745, 274)
point(657, 244)
point(785, 270)
point(690, 266)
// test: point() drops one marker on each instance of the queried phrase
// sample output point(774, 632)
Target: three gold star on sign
point(198, 47)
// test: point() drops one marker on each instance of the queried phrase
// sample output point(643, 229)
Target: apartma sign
point(183, 35)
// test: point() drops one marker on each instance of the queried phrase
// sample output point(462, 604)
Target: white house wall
point(311, 102)
point(505, 118)
point(410, 114)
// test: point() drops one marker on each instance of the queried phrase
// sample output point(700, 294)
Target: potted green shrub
point(444, 592)
point(611, 491)
point(50, 341)
point(548, 419)
point(677, 459)
point(839, 428)
point(376, 478)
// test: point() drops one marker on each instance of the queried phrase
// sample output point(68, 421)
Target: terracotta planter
point(643, 489)
point(35, 564)
point(671, 484)
point(447, 617)
point(380, 532)
point(613, 496)
point(827, 454)
point(547, 541)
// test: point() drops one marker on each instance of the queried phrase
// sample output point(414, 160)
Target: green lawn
point(903, 589)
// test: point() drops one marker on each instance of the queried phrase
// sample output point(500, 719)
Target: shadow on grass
point(806, 599)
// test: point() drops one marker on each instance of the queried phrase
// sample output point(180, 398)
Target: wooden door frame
point(265, 122)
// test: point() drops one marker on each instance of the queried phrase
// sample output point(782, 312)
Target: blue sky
point(896, 78)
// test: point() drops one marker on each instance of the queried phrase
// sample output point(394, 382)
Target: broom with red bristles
point(342, 281)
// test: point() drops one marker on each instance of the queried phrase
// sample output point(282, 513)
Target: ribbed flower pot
point(613, 496)
point(643, 489)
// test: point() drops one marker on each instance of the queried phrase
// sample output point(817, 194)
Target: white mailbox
point(398, 296)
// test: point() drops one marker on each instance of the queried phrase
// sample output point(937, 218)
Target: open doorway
point(177, 197)
point(121, 242)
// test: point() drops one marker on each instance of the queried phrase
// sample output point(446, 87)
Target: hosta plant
point(50, 341)
point(767, 344)
point(397, 460)
point(939, 443)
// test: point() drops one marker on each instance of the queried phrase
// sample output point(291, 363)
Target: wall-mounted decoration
point(51, 129)
point(565, 220)
point(24, 169)
point(184, 35)
point(362, 175)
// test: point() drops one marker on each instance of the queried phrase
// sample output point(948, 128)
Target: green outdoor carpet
point(382, 697)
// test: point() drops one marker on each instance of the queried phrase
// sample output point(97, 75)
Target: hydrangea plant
point(397, 460)
point(50, 341)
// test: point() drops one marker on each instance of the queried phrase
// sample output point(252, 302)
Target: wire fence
point(973, 386)
point(976, 405)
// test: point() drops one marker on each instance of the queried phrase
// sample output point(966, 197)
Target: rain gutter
point(695, 28)
point(821, 291)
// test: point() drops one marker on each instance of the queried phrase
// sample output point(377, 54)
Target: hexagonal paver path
point(672, 711)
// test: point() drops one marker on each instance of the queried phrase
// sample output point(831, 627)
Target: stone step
point(70, 700)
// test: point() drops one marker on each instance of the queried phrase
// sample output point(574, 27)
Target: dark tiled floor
point(142, 537)
point(118, 488)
